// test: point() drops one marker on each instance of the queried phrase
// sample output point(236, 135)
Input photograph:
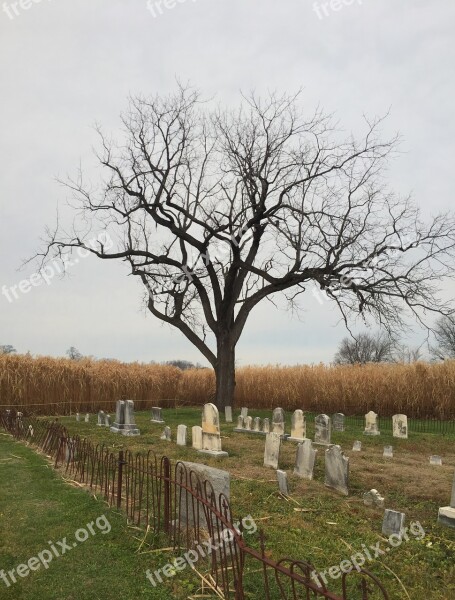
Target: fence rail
point(170, 499)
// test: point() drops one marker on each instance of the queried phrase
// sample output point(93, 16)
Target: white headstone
point(244, 412)
point(101, 420)
point(211, 438)
point(272, 450)
point(357, 447)
point(400, 426)
point(371, 423)
point(388, 452)
point(228, 414)
point(166, 435)
point(278, 421)
point(257, 424)
point(87, 418)
point(338, 422)
point(446, 514)
point(322, 430)
point(373, 498)
point(240, 423)
point(181, 435)
point(436, 460)
point(305, 459)
point(129, 427)
point(78, 417)
point(298, 426)
point(393, 523)
point(196, 437)
point(248, 423)
point(282, 482)
point(337, 470)
point(266, 426)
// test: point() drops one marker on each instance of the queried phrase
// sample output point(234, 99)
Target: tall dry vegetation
point(61, 386)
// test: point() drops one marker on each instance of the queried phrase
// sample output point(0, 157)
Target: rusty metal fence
point(172, 500)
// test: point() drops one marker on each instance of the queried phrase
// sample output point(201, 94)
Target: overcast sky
point(68, 65)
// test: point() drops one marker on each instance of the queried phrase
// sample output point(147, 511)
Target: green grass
point(317, 524)
point(37, 506)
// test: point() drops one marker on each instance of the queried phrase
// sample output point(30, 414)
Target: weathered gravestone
point(78, 417)
point(211, 438)
point(282, 482)
point(196, 437)
point(240, 423)
point(228, 414)
point(446, 515)
point(338, 422)
point(373, 498)
point(436, 460)
point(400, 426)
point(298, 426)
point(388, 452)
point(119, 417)
point(107, 420)
point(257, 425)
point(244, 412)
point(101, 419)
point(156, 415)
point(195, 475)
point(371, 424)
point(87, 418)
point(337, 470)
point(393, 523)
point(305, 459)
point(357, 447)
point(278, 421)
point(166, 435)
point(248, 421)
point(322, 430)
point(272, 450)
point(181, 435)
point(266, 426)
point(129, 426)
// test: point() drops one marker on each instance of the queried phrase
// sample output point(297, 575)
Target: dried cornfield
point(61, 386)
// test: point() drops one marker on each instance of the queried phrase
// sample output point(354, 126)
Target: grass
point(318, 525)
point(37, 506)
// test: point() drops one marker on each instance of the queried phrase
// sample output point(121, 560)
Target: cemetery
point(314, 482)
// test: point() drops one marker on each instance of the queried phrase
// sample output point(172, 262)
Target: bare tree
point(7, 349)
point(73, 353)
point(365, 348)
point(218, 210)
point(407, 354)
point(444, 333)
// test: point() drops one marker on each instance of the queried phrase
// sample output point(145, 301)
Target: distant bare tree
point(7, 349)
point(405, 354)
point(217, 210)
point(444, 333)
point(364, 348)
point(73, 353)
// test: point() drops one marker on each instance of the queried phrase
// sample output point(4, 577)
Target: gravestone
point(278, 422)
point(119, 422)
point(373, 498)
point(322, 430)
point(305, 459)
point(166, 435)
point(371, 424)
point(257, 424)
point(240, 423)
point(357, 447)
point(196, 437)
point(129, 426)
point(107, 420)
point(393, 523)
point(388, 452)
point(101, 419)
point(156, 415)
point(78, 417)
point(191, 510)
point(266, 426)
point(211, 438)
point(181, 435)
point(298, 426)
point(446, 515)
point(244, 412)
point(248, 423)
point(272, 450)
point(338, 422)
point(400, 426)
point(87, 418)
point(436, 460)
point(228, 414)
point(337, 470)
point(282, 482)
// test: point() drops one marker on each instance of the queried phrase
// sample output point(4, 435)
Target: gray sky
point(66, 65)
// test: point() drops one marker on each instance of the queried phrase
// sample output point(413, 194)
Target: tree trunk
point(225, 373)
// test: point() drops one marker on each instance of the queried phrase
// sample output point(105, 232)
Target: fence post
point(121, 462)
point(167, 495)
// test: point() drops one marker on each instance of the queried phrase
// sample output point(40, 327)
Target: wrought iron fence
point(172, 499)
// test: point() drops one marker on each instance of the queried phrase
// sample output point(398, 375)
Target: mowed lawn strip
point(38, 507)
